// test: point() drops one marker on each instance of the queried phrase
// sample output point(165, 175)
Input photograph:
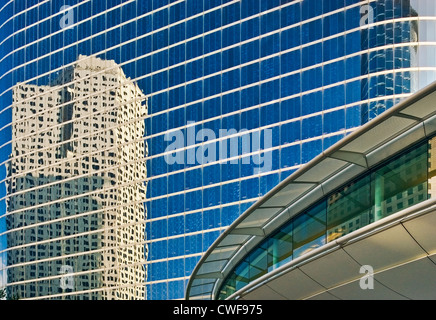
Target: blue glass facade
point(302, 73)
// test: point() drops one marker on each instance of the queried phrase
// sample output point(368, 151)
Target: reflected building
point(388, 64)
point(349, 208)
point(76, 186)
point(305, 72)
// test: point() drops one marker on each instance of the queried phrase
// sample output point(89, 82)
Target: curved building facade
point(240, 94)
point(365, 205)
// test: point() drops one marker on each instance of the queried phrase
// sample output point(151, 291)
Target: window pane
point(401, 183)
point(280, 248)
point(348, 209)
point(258, 263)
point(309, 230)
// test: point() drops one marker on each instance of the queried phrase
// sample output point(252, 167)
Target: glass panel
point(242, 275)
point(280, 248)
point(228, 288)
point(258, 263)
point(310, 230)
point(348, 209)
point(401, 183)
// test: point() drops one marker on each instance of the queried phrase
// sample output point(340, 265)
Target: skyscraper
point(240, 93)
point(77, 175)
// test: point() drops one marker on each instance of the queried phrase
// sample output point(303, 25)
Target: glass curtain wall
point(291, 77)
point(395, 185)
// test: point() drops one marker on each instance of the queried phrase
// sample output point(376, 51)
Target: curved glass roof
point(411, 120)
point(398, 183)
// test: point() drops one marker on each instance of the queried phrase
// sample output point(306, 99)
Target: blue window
point(310, 150)
point(211, 174)
point(160, 19)
point(194, 91)
point(212, 42)
point(250, 29)
point(212, 86)
point(334, 121)
point(290, 156)
point(231, 35)
point(250, 188)
point(334, 24)
point(194, 27)
point(176, 268)
point(231, 13)
point(177, 33)
point(194, 48)
point(212, 20)
point(311, 127)
point(270, 21)
point(250, 97)
point(177, 75)
point(270, 68)
point(212, 64)
point(290, 61)
point(177, 54)
point(160, 39)
point(212, 107)
point(250, 51)
point(250, 120)
point(311, 79)
point(176, 247)
point(231, 58)
point(231, 80)
point(212, 218)
point(176, 118)
point(250, 74)
point(177, 12)
point(312, 55)
point(193, 7)
point(193, 200)
point(160, 81)
point(311, 8)
point(270, 45)
point(311, 31)
point(194, 70)
point(290, 85)
point(290, 15)
point(249, 8)
point(312, 102)
point(194, 112)
point(290, 108)
point(270, 114)
point(193, 178)
point(334, 72)
point(334, 97)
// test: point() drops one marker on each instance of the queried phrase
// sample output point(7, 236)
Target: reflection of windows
point(399, 183)
point(309, 230)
